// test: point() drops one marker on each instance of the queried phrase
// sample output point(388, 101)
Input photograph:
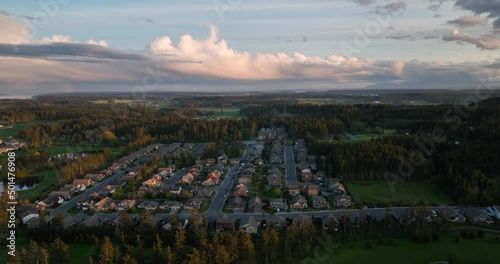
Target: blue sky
point(237, 44)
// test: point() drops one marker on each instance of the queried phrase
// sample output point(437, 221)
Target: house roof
point(93, 220)
point(251, 222)
point(313, 187)
point(255, 199)
point(298, 198)
point(105, 202)
point(24, 214)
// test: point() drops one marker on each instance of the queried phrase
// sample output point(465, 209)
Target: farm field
point(408, 192)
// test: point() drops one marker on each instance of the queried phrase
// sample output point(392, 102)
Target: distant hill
point(491, 101)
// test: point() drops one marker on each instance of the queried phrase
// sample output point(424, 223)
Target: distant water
point(16, 97)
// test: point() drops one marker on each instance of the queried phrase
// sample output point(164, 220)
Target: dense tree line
point(199, 243)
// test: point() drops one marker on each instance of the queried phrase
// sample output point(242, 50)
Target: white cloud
point(488, 42)
point(468, 21)
point(11, 31)
point(208, 61)
point(67, 39)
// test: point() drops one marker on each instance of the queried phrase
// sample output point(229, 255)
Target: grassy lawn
point(403, 251)
point(80, 253)
point(14, 131)
point(413, 191)
point(49, 181)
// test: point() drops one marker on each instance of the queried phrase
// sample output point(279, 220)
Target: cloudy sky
point(240, 45)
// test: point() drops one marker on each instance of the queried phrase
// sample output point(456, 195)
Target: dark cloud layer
point(489, 7)
point(65, 49)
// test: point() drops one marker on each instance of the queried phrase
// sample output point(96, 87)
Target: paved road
point(223, 191)
point(290, 166)
point(62, 209)
point(96, 188)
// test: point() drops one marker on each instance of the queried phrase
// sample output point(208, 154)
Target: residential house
point(28, 215)
point(234, 162)
point(187, 179)
point(258, 161)
point(277, 221)
point(66, 195)
point(247, 172)
point(125, 205)
point(307, 175)
point(250, 226)
point(210, 162)
point(343, 201)
point(293, 190)
point(114, 167)
point(274, 181)
point(68, 188)
point(28, 207)
point(320, 202)
point(276, 159)
point(330, 222)
point(336, 188)
point(95, 177)
point(193, 204)
point(175, 189)
point(166, 172)
point(152, 182)
point(204, 192)
point(172, 206)
point(148, 205)
point(110, 188)
point(213, 178)
point(81, 184)
point(92, 221)
point(241, 191)
point(453, 215)
point(278, 204)
point(225, 223)
point(236, 204)
point(245, 180)
point(255, 204)
point(312, 190)
point(70, 221)
point(105, 204)
point(476, 216)
point(51, 201)
point(493, 211)
point(86, 203)
point(299, 202)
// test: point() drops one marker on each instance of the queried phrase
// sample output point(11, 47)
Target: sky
point(56, 46)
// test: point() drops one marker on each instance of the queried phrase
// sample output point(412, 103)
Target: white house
point(27, 216)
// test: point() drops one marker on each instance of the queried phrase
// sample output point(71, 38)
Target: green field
point(221, 112)
point(14, 130)
point(403, 251)
point(407, 192)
